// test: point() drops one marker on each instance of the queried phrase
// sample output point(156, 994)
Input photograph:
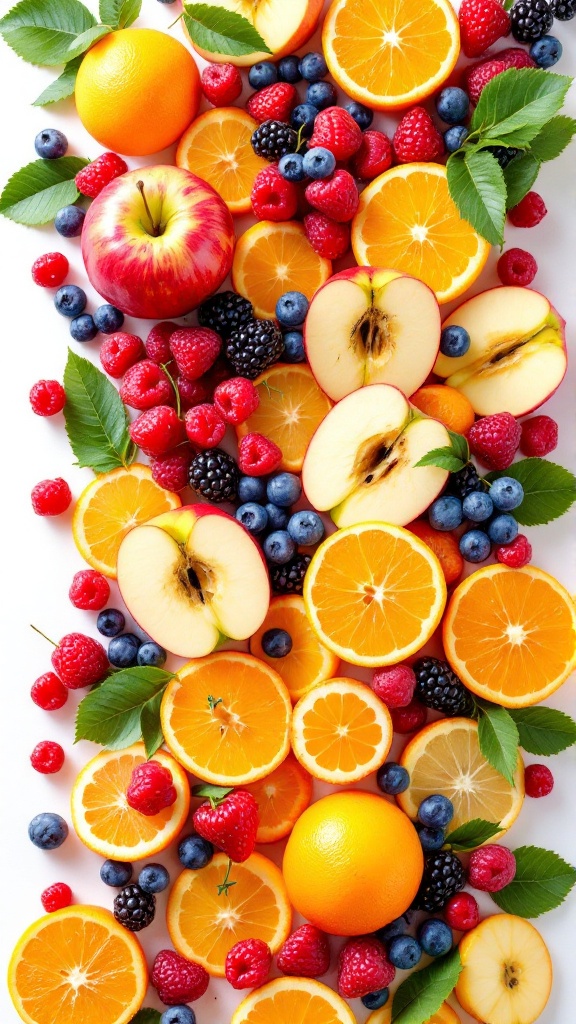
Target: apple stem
point(225, 885)
point(36, 630)
point(155, 227)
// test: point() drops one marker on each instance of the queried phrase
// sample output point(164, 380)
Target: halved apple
point(284, 25)
point(372, 326)
point(517, 354)
point(192, 578)
point(361, 462)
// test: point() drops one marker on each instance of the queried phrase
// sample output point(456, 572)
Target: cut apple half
point(361, 462)
point(285, 25)
point(372, 326)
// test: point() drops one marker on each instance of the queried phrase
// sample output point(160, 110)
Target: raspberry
point(49, 692)
point(517, 267)
point(47, 757)
point(374, 156)
point(494, 440)
point(236, 399)
point(221, 84)
point(305, 953)
point(204, 425)
point(516, 57)
point(538, 780)
point(157, 430)
point(272, 197)
point(56, 896)
point(394, 685)
point(248, 963)
point(47, 397)
point(491, 867)
point(79, 660)
point(50, 270)
point(516, 554)
point(335, 129)
point(410, 718)
point(120, 351)
point(151, 788)
point(257, 455)
point(462, 912)
point(92, 179)
point(480, 74)
point(327, 238)
point(336, 197)
point(157, 343)
point(176, 979)
point(195, 350)
point(146, 385)
point(539, 436)
point(273, 103)
point(171, 470)
point(482, 22)
point(51, 497)
point(89, 590)
point(528, 212)
point(363, 967)
point(417, 138)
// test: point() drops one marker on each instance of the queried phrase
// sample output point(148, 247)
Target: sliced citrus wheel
point(408, 221)
point(102, 817)
point(374, 593)
point(110, 507)
point(341, 731)
point(77, 966)
point(205, 920)
point(309, 662)
point(281, 798)
point(291, 407)
point(217, 148)
point(293, 1001)
point(226, 718)
point(510, 634)
point(445, 1015)
point(445, 757)
point(271, 259)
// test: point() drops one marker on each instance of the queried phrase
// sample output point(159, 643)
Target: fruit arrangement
point(309, 615)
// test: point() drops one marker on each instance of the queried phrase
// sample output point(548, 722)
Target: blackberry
point(465, 481)
point(254, 346)
point(289, 578)
point(530, 20)
point(443, 877)
point(215, 475)
point(273, 139)
point(224, 313)
point(134, 908)
point(438, 687)
point(503, 154)
point(563, 10)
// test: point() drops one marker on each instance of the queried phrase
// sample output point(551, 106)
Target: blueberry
point(50, 144)
point(430, 838)
point(321, 95)
point(262, 74)
point(404, 952)
point(110, 622)
point(291, 309)
point(546, 51)
point(279, 547)
point(474, 546)
point(69, 220)
point(47, 831)
point(70, 300)
point(313, 67)
point(276, 643)
point(123, 650)
point(319, 162)
point(436, 811)
point(506, 493)
point(291, 167)
point(251, 488)
point(154, 878)
point(503, 529)
point(116, 873)
point(445, 513)
point(83, 328)
point(374, 1000)
point(306, 528)
point(277, 517)
point(390, 931)
point(181, 1014)
point(252, 516)
point(195, 852)
point(435, 937)
point(392, 778)
point(454, 137)
point(150, 653)
point(166, 1)
point(361, 114)
point(303, 117)
point(108, 319)
point(294, 351)
point(478, 506)
point(284, 489)
point(454, 341)
point(289, 69)
point(452, 105)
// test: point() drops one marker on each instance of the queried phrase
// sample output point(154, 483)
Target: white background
point(39, 557)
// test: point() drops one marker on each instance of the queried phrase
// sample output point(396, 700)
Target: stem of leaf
point(39, 631)
point(164, 367)
point(225, 885)
point(176, 20)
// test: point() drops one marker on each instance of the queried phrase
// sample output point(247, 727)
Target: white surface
point(39, 557)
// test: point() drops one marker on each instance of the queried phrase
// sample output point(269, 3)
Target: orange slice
point(293, 1001)
point(110, 507)
point(445, 1015)
point(281, 798)
point(271, 259)
point(204, 925)
point(374, 593)
point(407, 220)
point(510, 634)
point(446, 404)
point(291, 407)
point(341, 731)
point(226, 718)
point(77, 966)
point(309, 662)
point(217, 148)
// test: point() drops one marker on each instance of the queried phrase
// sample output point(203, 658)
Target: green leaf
point(541, 883)
point(549, 490)
point(472, 834)
point(520, 175)
point(476, 184)
point(553, 138)
point(150, 726)
point(498, 739)
point(42, 31)
point(543, 730)
point(444, 458)
point(459, 446)
point(517, 104)
point(422, 994)
point(146, 1016)
point(96, 419)
point(119, 13)
point(35, 193)
point(219, 30)
point(61, 87)
point(215, 794)
point(87, 39)
point(110, 714)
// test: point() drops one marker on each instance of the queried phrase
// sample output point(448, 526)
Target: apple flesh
point(361, 462)
point(192, 578)
point(284, 25)
point(372, 326)
point(157, 252)
point(517, 354)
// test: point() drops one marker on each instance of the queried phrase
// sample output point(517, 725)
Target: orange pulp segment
point(291, 1000)
point(446, 404)
point(445, 1015)
point(281, 798)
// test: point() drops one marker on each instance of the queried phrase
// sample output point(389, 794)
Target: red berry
point(151, 788)
point(50, 270)
point(171, 470)
point(193, 392)
point(479, 75)
point(538, 780)
point(221, 84)
point(49, 692)
point(305, 953)
point(417, 138)
point(47, 397)
point(204, 425)
point(539, 436)
point(80, 660)
point(494, 440)
point(47, 757)
point(516, 554)
point(176, 979)
point(528, 212)
point(335, 129)
point(157, 430)
point(363, 967)
point(195, 350)
point(56, 897)
point(491, 867)
point(120, 351)
point(272, 197)
point(236, 399)
point(275, 102)
point(462, 912)
point(337, 197)
point(482, 22)
point(516, 57)
point(248, 963)
point(374, 156)
point(92, 179)
point(157, 343)
point(231, 824)
point(410, 718)
point(89, 590)
point(51, 497)
point(257, 455)
point(394, 685)
point(146, 385)
point(327, 238)
point(517, 267)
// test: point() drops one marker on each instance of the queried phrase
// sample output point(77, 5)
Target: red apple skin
point(165, 276)
point(300, 36)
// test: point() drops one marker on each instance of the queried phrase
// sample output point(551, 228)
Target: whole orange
point(353, 863)
point(137, 91)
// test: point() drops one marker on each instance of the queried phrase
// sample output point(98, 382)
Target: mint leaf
point(549, 490)
point(459, 446)
point(472, 834)
point(516, 104)
point(119, 13)
point(553, 138)
point(61, 87)
point(543, 730)
point(476, 184)
point(541, 883)
point(110, 714)
point(96, 419)
point(150, 725)
point(42, 31)
point(422, 994)
point(146, 1016)
point(218, 30)
point(35, 193)
point(498, 738)
point(444, 458)
point(87, 39)
point(520, 175)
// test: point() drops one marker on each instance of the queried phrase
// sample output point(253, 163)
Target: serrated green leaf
point(119, 13)
point(516, 104)
point(150, 726)
point(541, 883)
point(110, 714)
point(96, 419)
point(476, 184)
point(498, 739)
point(146, 1016)
point(549, 490)
point(61, 87)
point(459, 446)
point(35, 193)
point(553, 138)
point(442, 458)
point(42, 31)
point(422, 994)
point(219, 30)
point(543, 730)
point(519, 175)
point(472, 834)
point(215, 794)
point(87, 39)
